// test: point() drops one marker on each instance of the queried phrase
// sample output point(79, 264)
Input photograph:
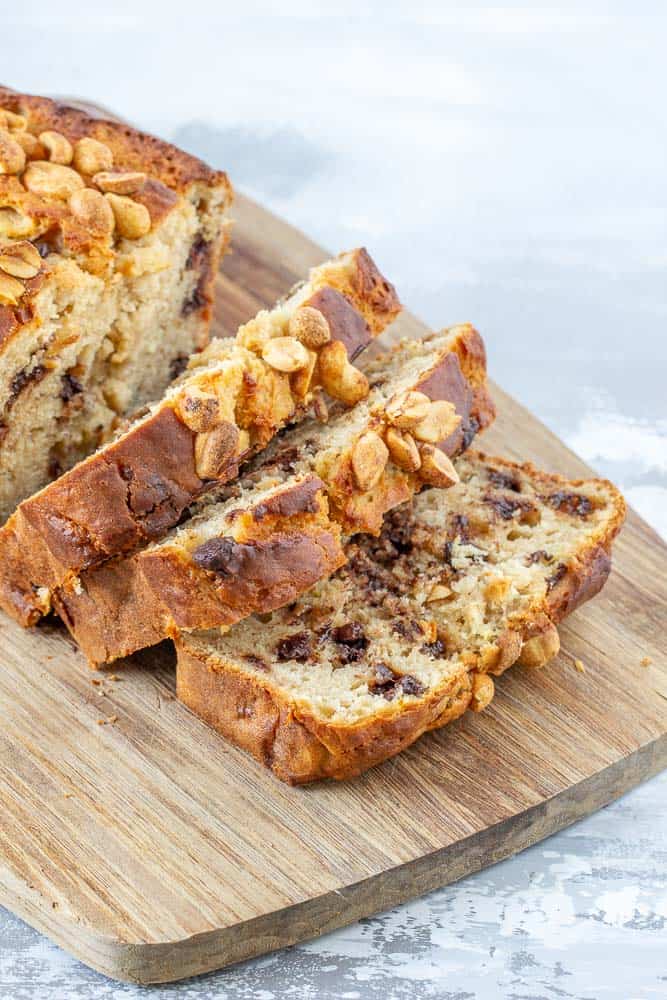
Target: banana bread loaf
point(366, 459)
point(109, 246)
point(230, 402)
point(459, 585)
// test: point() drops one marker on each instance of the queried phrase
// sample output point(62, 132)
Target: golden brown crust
point(129, 604)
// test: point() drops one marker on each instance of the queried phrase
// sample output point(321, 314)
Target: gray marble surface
point(507, 166)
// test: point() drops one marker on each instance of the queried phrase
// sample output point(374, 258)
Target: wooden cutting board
point(152, 850)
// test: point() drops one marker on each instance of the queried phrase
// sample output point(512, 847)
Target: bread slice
point(187, 580)
point(458, 586)
point(230, 402)
point(109, 246)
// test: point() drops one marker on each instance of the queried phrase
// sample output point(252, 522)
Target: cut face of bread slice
point(110, 241)
point(457, 587)
point(233, 398)
point(437, 386)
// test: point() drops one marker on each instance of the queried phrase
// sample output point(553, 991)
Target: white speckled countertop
point(507, 166)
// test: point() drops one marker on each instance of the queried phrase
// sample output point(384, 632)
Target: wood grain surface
point(142, 843)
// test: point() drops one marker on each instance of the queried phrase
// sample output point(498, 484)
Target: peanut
point(436, 468)
point(285, 354)
point(541, 648)
point(11, 290)
point(200, 411)
point(300, 380)
point(369, 458)
point(340, 378)
point(403, 450)
point(119, 182)
point(438, 423)
point(132, 219)
point(407, 409)
point(438, 592)
point(12, 156)
point(58, 147)
point(92, 210)
point(51, 180)
point(30, 145)
point(14, 224)
point(20, 260)
point(214, 450)
point(11, 121)
point(310, 327)
point(483, 690)
point(92, 157)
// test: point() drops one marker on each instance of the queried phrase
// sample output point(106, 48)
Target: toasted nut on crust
point(310, 327)
point(93, 211)
point(11, 290)
point(483, 690)
point(369, 458)
point(21, 260)
point(30, 145)
point(120, 182)
point(300, 381)
point(403, 450)
point(11, 121)
point(340, 378)
point(52, 180)
point(12, 156)
point(215, 449)
point(132, 219)
point(200, 411)
point(407, 409)
point(58, 147)
point(285, 354)
point(540, 649)
point(92, 157)
point(14, 224)
point(436, 468)
point(438, 423)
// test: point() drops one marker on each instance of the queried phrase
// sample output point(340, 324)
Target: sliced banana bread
point(109, 245)
point(230, 402)
point(427, 399)
point(459, 585)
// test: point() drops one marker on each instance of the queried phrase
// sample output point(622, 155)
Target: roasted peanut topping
point(407, 409)
point(11, 290)
point(438, 423)
point(12, 156)
point(14, 224)
point(540, 649)
point(31, 146)
point(369, 458)
point(120, 182)
point(51, 180)
point(285, 354)
point(403, 449)
point(200, 411)
point(310, 327)
point(340, 378)
point(20, 260)
point(92, 210)
point(483, 690)
point(92, 157)
point(11, 121)
point(58, 147)
point(132, 219)
point(436, 468)
point(215, 449)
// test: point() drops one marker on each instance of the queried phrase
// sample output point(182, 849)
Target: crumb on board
point(579, 665)
point(114, 677)
point(96, 681)
point(646, 661)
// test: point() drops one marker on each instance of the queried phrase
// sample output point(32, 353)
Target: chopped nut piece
point(438, 423)
point(645, 661)
point(310, 327)
point(438, 592)
point(340, 378)
point(93, 211)
point(10, 120)
point(579, 666)
point(11, 290)
point(403, 450)
point(407, 409)
point(215, 449)
point(198, 410)
point(58, 147)
point(12, 156)
point(369, 458)
point(92, 157)
point(540, 649)
point(21, 260)
point(436, 468)
point(51, 180)
point(300, 380)
point(483, 690)
point(120, 182)
point(285, 354)
point(132, 219)
point(14, 224)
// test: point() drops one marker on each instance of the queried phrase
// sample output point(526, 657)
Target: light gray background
point(507, 166)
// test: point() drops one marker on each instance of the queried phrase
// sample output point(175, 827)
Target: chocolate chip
point(295, 647)
point(178, 366)
point(256, 661)
point(506, 480)
point(387, 683)
point(541, 555)
point(411, 685)
point(506, 507)
point(219, 555)
point(70, 387)
point(556, 577)
point(436, 649)
point(470, 429)
point(24, 378)
point(570, 503)
point(352, 640)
